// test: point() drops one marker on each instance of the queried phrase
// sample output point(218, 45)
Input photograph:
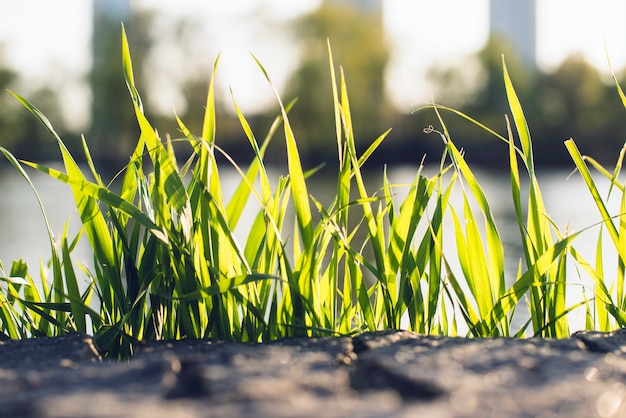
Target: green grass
point(167, 263)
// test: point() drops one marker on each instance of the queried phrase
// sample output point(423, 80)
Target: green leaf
point(104, 195)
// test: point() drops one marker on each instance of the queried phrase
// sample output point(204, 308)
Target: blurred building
point(373, 7)
point(516, 22)
point(106, 13)
point(110, 107)
point(370, 6)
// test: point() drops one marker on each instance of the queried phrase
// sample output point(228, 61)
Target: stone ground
point(387, 374)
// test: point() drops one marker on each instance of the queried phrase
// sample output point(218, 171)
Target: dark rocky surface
point(383, 374)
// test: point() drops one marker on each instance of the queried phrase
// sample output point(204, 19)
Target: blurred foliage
point(573, 100)
point(358, 45)
point(11, 127)
point(18, 131)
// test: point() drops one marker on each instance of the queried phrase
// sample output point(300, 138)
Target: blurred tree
point(358, 45)
point(476, 87)
point(20, 133)
point(488, 102)
point(11, 119)
point(575, 102)
point(36, 143)
point(572, 101)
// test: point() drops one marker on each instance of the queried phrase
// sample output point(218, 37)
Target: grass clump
point(167, 264)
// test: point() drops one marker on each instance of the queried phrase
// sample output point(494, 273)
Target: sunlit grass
point(167, 263)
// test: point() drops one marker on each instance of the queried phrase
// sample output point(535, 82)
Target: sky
point(49, 42)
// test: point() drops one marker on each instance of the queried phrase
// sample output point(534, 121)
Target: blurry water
point(23, 234)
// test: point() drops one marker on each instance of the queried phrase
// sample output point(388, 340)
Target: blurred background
point(64, 56)
point(397, 55)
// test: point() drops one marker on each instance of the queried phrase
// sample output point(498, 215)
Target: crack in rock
point(367, 373)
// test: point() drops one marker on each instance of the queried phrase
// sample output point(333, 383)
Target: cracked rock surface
point(384, 374)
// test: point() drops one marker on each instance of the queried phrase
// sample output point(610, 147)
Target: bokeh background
point(397, 55)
